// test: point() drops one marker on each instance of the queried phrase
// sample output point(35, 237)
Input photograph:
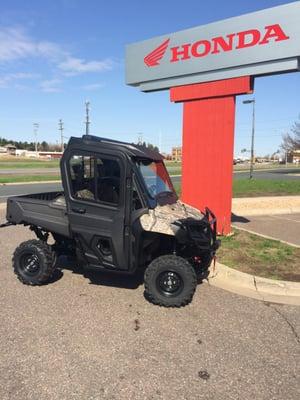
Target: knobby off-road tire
point(170, 281)
point(34, 262)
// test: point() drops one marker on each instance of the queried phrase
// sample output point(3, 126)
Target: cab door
point(97, 206)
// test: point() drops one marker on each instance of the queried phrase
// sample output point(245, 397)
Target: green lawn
point(28, 178)
point(173, 164)
point(260, 187)
point(174, 171)
point(28, 164)
point(238, 167)
point(258, 256)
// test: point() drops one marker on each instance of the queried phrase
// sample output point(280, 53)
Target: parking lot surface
point(284, 227)
point(96, 337)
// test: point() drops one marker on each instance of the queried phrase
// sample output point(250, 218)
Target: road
point(15, 190)
point(30, 171)
point(96, 337)
point(280, 173)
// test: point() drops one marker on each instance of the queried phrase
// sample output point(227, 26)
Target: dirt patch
point(258, 256)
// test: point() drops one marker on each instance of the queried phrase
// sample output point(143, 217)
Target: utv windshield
point(156, 178)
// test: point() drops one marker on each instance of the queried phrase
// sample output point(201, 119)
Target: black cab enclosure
point(118, 211)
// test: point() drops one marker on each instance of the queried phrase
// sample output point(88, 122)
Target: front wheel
point(34, 262)
point(170, 281)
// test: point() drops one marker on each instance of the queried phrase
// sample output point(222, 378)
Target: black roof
point(130, 148)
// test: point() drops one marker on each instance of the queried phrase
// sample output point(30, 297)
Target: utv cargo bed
point(45, 210)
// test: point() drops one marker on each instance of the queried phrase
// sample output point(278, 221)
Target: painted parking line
point(285, 218)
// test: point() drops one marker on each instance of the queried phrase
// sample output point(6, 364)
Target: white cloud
point(15, 44)
point(7, 79)
point(74, 66)
point(93, 86)
point(51, 86)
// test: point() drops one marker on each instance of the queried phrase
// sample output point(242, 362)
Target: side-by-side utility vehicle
point(119, 212)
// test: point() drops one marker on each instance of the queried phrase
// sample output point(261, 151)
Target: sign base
point(208, 140)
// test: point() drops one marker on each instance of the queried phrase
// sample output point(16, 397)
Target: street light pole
point(252, 101)
point(35, 131)
point(87, 118)
point(61, 128)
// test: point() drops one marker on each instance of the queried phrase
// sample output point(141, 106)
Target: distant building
point(10, 149)
point(49, 155)
point(294, 157)
point(176, 153)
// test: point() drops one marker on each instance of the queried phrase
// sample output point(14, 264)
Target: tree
point(291, 140)
point(150, 146)
point(44, 146)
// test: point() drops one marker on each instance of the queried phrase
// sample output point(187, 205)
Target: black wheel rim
point(30, 264)
point(169, 283)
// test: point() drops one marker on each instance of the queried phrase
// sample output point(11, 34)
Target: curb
point(270, 211)
point(264, 289)
point(266, 205)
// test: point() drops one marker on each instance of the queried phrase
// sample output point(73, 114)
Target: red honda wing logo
point(153, 58)
point(201, 48)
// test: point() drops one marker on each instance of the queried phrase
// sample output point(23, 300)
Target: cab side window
point(83, 177)
point(108, 180)
point(95, 179)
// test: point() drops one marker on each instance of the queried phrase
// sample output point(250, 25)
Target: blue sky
point(56, 54)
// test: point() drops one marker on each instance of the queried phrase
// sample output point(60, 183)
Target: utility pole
point(87, 118)
point(140, 138)
point(252, 101)
point(35, 131)
point(61, 128)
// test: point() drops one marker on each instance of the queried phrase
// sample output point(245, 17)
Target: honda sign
point(264, 42)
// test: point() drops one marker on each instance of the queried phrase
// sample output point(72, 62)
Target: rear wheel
point(34, 262)
point(170, 281)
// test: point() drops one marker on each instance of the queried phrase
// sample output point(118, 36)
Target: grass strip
point(29, 165)
point(258, 256)
point(259, 188)
point(28, 178)
point(264, 187)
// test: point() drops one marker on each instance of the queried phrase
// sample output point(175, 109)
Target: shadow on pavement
point(104, 278)
point(107, 278)
point(239, 218)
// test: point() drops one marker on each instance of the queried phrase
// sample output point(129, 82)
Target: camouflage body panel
point(85, 194)
point(160, 219)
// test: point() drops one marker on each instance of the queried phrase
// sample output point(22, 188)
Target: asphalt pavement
point(273, 174)
point(95, 337)
point(282, 227)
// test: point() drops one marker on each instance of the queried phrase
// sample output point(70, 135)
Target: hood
point(161, 218)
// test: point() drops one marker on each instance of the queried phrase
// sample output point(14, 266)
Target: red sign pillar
point(208, 139)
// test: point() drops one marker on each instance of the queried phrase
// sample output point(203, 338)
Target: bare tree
point(291, 140)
